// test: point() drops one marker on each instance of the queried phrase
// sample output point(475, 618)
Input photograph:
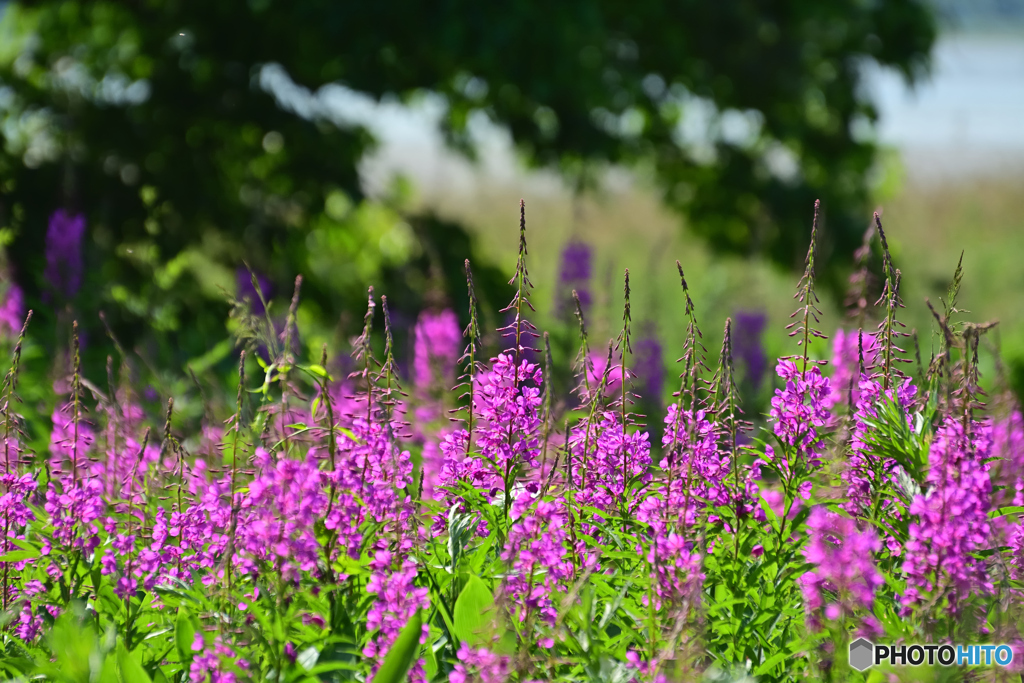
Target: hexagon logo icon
point(862, 654)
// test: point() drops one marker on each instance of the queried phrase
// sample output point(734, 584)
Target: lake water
point(968, 118)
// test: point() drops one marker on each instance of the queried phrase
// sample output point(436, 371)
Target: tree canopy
point(154, 118)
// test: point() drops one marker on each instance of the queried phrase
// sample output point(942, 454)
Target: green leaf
point(108, 671)
point(402, 654)
point(474, 613)
point(184, 634)
point(316, 369)
point(431, 664)
point(771, 663)
point(19, 555)
point(129, 667)
point(1003, 511)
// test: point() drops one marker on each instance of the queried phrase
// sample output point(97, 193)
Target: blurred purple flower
point(64, 252)
point(844, 578)
point(12, 310)
point(436, 350)
point(648, 366)
point(847, 347)
point(247, 292)
point(574, 274)
point(747, 348)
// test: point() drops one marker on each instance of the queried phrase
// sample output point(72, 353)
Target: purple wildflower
point(74, 511)
point(538, 561)
point(865, 468)
point(677, 573)
point(15, 514)
point(392, 580)
point(844, 579)
point(1007, 436)
point(798, 410)
point(952, 519)
point(479, 666)
point(616, 460)
point(648, 366)
point(64, 252)
point(507, 404)
point(695, 469)
point(12, 310)
point(596, 371)
point(280, 512)
point(575, 273)
point(14, 510)
point(215, 664)
point(246, 292)
point(436, 350)
point(30, 624)
point(190, 540)
point(847, 348)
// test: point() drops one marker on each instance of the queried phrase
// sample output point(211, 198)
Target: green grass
point(927, 227)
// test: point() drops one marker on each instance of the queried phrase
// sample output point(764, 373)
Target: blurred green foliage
point(155, 119)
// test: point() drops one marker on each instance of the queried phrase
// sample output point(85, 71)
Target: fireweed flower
point(436, 349)
point(15, 514)
point(120, 467)
point(479, 666)
point(952, 518)
point(74, 509)
point(30, 623)
point(844, 578)
point(617, 456)
point(695, 469)
point(122, 545)
point(1007, 436)
point(190, 541)
point(597, 366)
point(214, 663)
point(1016, 536)
point(64, 252)
point(369, 482)
point(507, 403)
point(392, 580)
point(535, 552)
point(676, 572)
point(280, 511)
point(798, 410)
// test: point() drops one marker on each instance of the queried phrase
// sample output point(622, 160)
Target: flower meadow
point(461, 521)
